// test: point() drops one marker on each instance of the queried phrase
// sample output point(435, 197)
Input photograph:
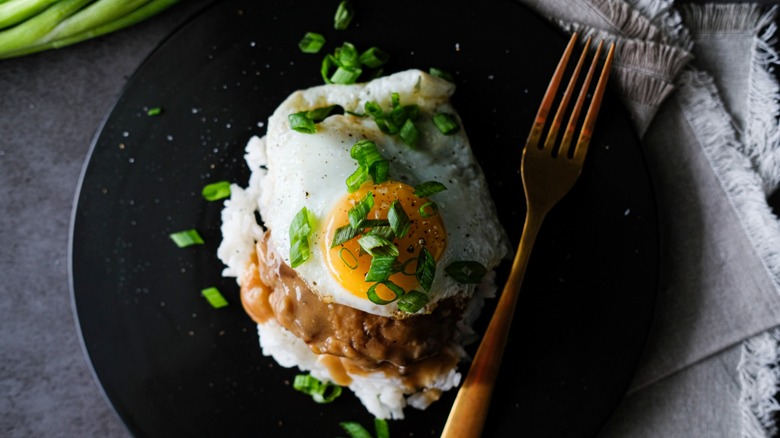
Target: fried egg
point(311, 169)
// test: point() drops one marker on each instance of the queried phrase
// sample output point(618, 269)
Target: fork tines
point(586, 128)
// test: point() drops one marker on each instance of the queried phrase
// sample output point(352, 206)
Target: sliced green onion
point(466, 272)
point(357, 178)
point(383, 231)
point(368, 223)
point(409, 133)
point(395, 100)
point(428, 188)
point(380, 227)
point(346, 63)
point(312, 42)
point(305, 121)
point(354, 430)
point(381, 428)
point(349, 260)
point(156, 111)
point(186, 238)
point(399, 220)
point(344, 76)
point(412, 301)
point(428, 209)
point(426, 269)
point(370, 164)
point(374, 57)
point(366, 153)
point(216, 191)
point(381, 268)
point(300, 229)
point(447, 123)
point(394, 288)
point(299, 252)
point(344, 234)
point(359, 211)
point(386, 125)
point(378, 246)
point(320, 392)
point(214, 297)
point(398, 120)
point(402, 267)
point(374, 110)
point(379, 171)
point(319, 114)
point(302, 123)
point(344, 14)
point(439, 73)
point(347, 56)
point(328, 62)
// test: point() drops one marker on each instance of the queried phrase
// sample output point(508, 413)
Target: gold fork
point(548, 173)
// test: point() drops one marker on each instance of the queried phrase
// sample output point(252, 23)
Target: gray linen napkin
point(697, 80)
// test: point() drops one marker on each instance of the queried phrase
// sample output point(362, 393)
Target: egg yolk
point(349, 265)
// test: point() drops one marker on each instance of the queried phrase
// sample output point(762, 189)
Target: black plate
point(173, 366)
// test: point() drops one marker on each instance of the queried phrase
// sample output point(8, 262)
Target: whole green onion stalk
point(29, 26)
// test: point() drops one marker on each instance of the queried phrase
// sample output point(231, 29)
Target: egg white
point(311, 169)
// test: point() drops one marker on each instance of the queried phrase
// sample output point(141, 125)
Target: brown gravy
point(348, 340)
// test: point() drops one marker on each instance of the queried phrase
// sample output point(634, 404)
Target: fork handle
point(468, 414)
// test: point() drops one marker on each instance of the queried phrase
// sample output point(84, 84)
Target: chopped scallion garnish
point(381, 268)
point(312, 42)
point(358, 213)
point(381, 428)
point(412, 301)
point(368, 223)
point(346, 76)
point(320, 392)
point(156, 111)
point(305, 121)
point(409, 133)
point(376, 299)
point(378, 246)
point(426, 269)
point(402, 267)
point(300, 229)
point(348, 258)
point(319, 114)
point(347, 56)
point(357, 178)
point(344, 234)
point(466, 272)
point(214, 297)
point(399, 220)
point(344, 14)
point(428, 188)
point(447, 123)
point(399, 120)
point(354, 430)
point(302, 123)
point(374, 57)
point(216, 191)
point(346, 65)
point(428, 209)
point(370, 164)
point(186, 238)
point(383, 231)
